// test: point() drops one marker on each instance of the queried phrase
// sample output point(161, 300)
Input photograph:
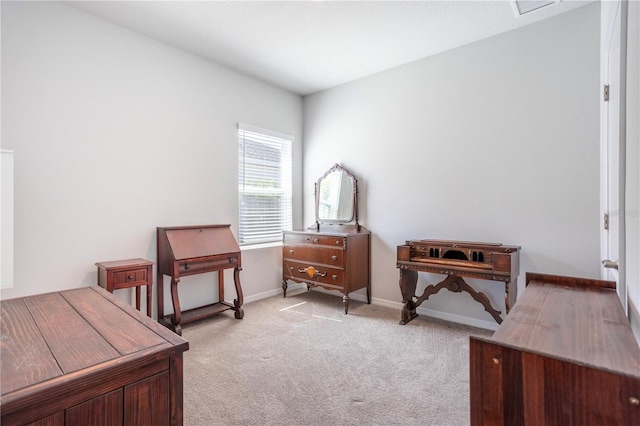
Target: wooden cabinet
point(128, 273)
point(564, 355)
point(333, 257)
point(82, 357)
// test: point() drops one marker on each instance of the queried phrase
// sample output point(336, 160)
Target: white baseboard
point(446, 316)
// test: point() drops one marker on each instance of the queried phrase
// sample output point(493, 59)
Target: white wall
point(633, 166)
point(115, 134)
point(494, 141)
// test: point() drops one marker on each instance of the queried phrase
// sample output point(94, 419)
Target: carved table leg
point(345, 301)
point(237, 303)
point(176, 318)
point(456, 284)
point(284, 288)
point(510, 294)
point(408, 283)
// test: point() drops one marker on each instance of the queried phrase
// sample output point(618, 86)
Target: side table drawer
point(131, 277)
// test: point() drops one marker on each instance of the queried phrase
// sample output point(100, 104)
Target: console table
point(83, 357)
point(565, 355)
point(190, 250)
point(456, 259)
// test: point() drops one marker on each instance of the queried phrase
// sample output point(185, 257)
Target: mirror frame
point(337, 168)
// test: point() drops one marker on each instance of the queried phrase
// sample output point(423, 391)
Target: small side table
point(126, 274)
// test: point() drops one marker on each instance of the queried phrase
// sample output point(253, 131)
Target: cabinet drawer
point(313, 272)
point(323, 240)
point(131, 276)
point(316, 254)
point(208, 265)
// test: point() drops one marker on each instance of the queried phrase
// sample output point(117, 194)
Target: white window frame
point(261, 179)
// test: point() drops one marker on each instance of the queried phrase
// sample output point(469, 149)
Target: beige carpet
point(300, 361)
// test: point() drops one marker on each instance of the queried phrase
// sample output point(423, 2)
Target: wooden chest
point(565, 355)
point(82, 357)
point(330, 259)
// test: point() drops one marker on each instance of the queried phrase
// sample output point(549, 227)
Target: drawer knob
point(315, 240)
point(290, 251)
point(335, 277)
point(334, 257)
point(634, 401)
point(187, 266)
point(496, 361)
point(129, 277)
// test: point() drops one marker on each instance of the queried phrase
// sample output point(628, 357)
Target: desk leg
point(510, 294)
point(408, 283)
point(221, 285)
point(176, 318)
point(238, 302)
point(456, 284)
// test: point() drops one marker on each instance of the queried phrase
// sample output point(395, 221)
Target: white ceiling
point(308, 46)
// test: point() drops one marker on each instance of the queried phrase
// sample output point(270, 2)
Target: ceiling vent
point(522, 7)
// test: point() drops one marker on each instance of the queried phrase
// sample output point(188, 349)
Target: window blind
point(264, 185)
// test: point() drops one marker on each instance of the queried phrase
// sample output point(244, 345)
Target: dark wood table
point(83, 357)
point(457, 259)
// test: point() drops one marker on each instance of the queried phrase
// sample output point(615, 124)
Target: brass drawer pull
point(335, 277)
point(334, 257)
point(312, 272)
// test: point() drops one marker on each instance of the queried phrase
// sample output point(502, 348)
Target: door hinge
point(606, 92)
point(606, 221)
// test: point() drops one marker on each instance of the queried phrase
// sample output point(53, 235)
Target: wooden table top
point(585, 325)
point(50, 338)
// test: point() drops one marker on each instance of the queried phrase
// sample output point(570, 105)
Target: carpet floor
point(300, 361)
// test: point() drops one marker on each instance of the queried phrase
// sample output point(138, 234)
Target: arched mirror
point(336, 197)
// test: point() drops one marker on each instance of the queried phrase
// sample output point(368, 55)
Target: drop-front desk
point(82, 357)
point(564, 355)
point(190, 250)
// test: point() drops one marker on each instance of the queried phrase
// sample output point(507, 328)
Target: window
point(264, 185)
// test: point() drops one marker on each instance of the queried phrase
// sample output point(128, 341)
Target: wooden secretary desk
point(334, 253)
point(190, 250)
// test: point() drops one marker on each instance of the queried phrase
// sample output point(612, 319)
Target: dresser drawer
point(313, 272)
point(317, 254)
point(323, 240)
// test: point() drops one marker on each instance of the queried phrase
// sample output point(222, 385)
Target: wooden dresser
point(82, 357)
point(334, 257)
point(564, 355)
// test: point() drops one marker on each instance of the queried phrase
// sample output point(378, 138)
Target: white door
point(614, 163)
